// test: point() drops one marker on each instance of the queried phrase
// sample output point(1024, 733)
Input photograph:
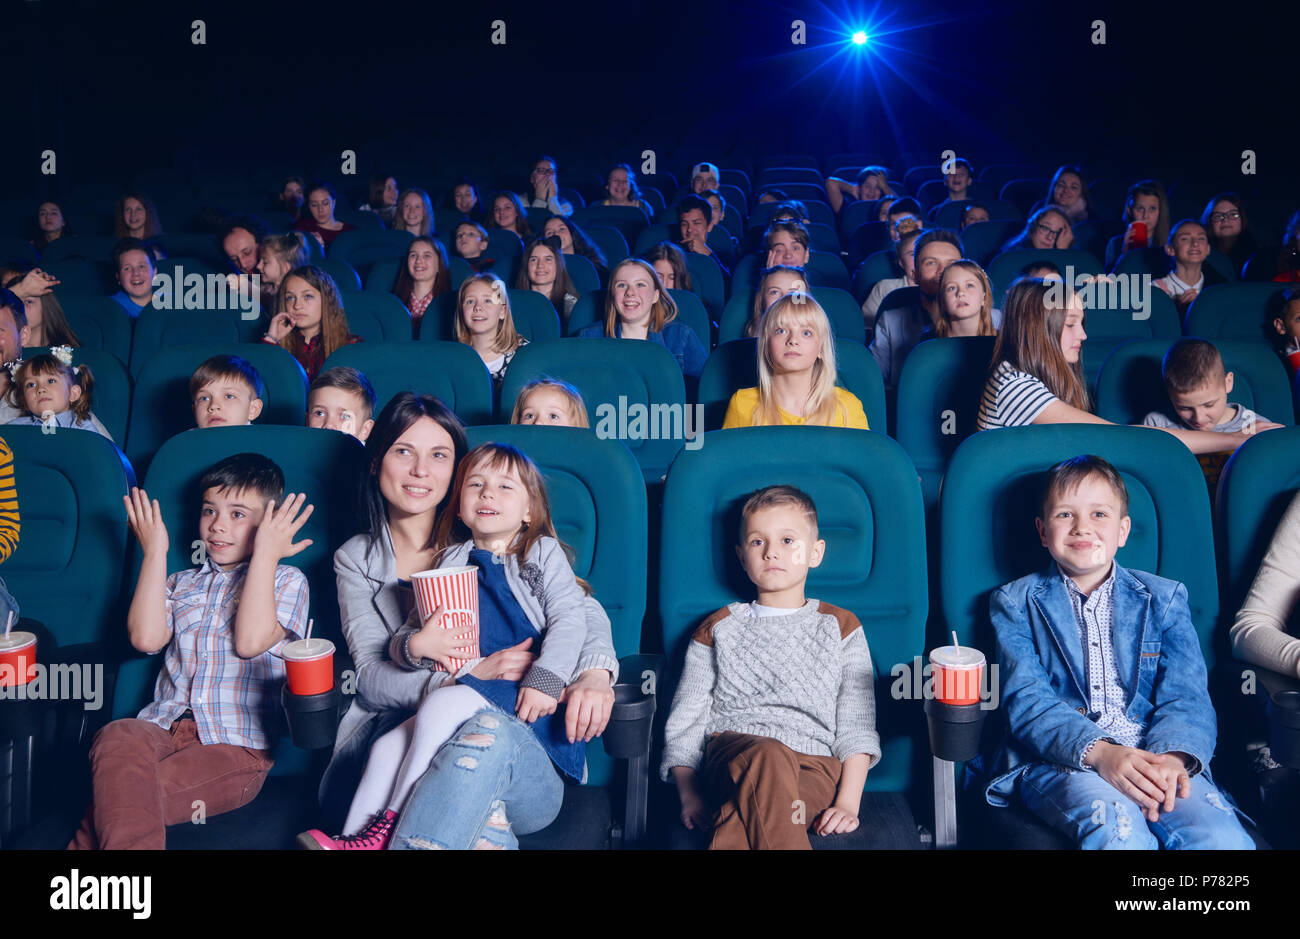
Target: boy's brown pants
point(770, 794)
point(146, 777)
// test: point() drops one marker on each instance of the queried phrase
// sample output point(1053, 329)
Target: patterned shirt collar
point(1104, 589)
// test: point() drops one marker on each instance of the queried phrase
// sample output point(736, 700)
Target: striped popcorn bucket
point(455, 589)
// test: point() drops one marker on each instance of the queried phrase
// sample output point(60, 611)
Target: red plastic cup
point(957, 672)
point(1139, 238)
point(17, 658)
point(455, 589)
point(310, 665)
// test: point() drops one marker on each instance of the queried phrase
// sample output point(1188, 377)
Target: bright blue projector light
point(860, 38)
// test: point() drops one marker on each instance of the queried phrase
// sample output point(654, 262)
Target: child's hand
point(1184, 299)
point(280, 523)
point(1133, 772)
point(441, 645)
point(146, 521)
point(1176, 781)
point(695, 815)
point(836, 821)
point(771, 257)
point(281, 325)
point(532, 704)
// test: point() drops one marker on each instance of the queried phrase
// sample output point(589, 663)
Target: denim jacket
point(677, 338)
point(1157, 656)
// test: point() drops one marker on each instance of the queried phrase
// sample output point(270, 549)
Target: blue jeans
point(491, 780)
point(1096, 815)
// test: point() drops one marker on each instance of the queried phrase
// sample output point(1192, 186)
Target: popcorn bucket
point(455, 589)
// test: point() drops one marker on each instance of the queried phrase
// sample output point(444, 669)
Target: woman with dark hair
point(47, 322)
point(383, 198)
point(1046, 229)
point(423, 276)
point(1288, 260)
point(135, 216)
point(414, 450)
point(466, 200)
point(543, 271)
point(1225, 222)
point(508, 212)
point(1145, 205)
point(573, 240)
point(1068, 191)
point(50, 225)
point(621, 189)
point(670, 264)
point(319, 221)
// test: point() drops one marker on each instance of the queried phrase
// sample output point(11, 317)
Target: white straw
point(308, 640)
point(954, 638)
point(9, 623)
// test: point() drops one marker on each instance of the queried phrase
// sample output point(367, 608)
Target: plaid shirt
point(234, 700)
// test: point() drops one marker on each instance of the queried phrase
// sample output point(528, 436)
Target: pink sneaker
point(374, 837)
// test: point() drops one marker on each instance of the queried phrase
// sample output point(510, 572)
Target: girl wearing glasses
point(1046, 229)
point(1225, 222)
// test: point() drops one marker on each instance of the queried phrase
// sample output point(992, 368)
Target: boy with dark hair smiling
point(1105, 689)
point(208, 734)
point(776, 702)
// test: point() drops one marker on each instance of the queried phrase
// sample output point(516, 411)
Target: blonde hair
point(577, 407)
point(796, 310)
point(507, 337)
point(663, 312)
point(943, 328)
point(1030, 340)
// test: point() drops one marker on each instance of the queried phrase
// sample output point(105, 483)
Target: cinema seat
point(344, 274)
point(870, 513)
point(361, 249)
point(159, 328)
point(582, 272)
point(1111, 322)
point(1006, 266)
point(734, 365)
point(111, 393)
point(534, 316)
point(81, 276)
point(710, 286)
point(1235, 311)
point(610, 241)
point(1130, 386)
point(377, 317)
point(99, 322)
point(79, 247)
point(982, 241)
point(990, 497)
point(450, 371)
point(877, 266)
point(627, 220)
point(161, 407)
point(383, 276)
point(616, 377)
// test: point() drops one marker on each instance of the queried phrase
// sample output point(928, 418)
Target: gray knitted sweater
point(804, 679)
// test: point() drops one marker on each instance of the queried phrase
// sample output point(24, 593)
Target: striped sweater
point(804, 678)
point(8, 503)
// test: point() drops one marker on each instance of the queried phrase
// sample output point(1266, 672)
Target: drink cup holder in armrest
point(313, 718)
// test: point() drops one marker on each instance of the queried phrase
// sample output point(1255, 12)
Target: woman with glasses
point(1229, 230)
point(1046, 229)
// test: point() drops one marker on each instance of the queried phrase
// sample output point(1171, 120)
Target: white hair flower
point(62, 353)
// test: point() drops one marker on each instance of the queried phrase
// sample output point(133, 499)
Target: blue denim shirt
point(677, 338)
point(1042, 673)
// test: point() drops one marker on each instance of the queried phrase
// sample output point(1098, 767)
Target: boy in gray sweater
point(773, 722)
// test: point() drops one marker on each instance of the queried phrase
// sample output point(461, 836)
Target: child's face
point(786, 250)
point(1047, 231)
point(494, 505)
point(776, 286)
point(422, 261)
point(463, 197)
point(703, 183)
point(793, 346)
point(666, 274)
point(1225, 220)
point(134, 215)
point(557, 229)
point(975, 215)
point(336, 409)
point(908, 261)
point(958, 181)
point(634, 294)
point(618, 185)
point(541, 267)
point(1288, 324)
point(51, 391)
point(302, 302)
point(50, 217)
point(228, 523)
point(292, 195)
point(504, 213)
point(1068, 190)
point(483, 309)
point(271, 268)
point(1083, 529)
point(416, 472)
point(135, 274)
point(226, 402)
point(390, 191)
point(412, 210)
point(716, 204)
point(1191, 245)
point(1146, 209)
point(469, 243)
point(962, 294)
point(1206, 407)
point(321, 206)
point(1072, 334)
point(779, 548)
point(548, 406)
point(870, 188)
point(882, 210)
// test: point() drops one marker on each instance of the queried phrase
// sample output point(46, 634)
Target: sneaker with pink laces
point(374, 837)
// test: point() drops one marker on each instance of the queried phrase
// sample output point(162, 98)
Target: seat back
point(691, 312)
point(345, 275)
point(708, 280)
point(633, 390)
point(983, 240)
point(535, 316)
point(361, 248)
point(100, 322)
point(1235, 311)
point(869, 513)
point(991, 495)
point(377, 317)
point(1130, 386)
point(450, 371)
point(734, 365)
point(161, 407)
point(67, 569)
point(1115, 315)
point(158, 328)
point(1006, 267)
point(589, 482)
point(939, 393)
